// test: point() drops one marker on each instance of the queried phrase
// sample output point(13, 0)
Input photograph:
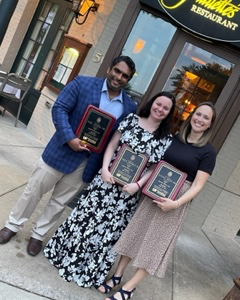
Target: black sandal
point(123, 293)
point(115, 280)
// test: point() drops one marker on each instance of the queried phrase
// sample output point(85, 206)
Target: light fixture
point(82, 8)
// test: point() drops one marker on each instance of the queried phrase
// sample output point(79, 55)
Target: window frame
point(68, 42)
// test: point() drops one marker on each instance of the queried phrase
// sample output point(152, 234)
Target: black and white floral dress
point(81, 248)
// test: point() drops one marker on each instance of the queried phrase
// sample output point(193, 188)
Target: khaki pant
point(43, 179)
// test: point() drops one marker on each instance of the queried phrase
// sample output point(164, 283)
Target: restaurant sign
point(215, 19)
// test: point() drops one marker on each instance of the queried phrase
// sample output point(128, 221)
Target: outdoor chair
point(14, 88)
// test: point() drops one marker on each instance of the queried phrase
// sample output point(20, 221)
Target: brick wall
point(217, 207)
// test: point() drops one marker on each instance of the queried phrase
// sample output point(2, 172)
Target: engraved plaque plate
point(95, 127)
point(128, 166)
point(165, 181)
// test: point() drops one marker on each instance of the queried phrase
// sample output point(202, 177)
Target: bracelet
point(178, 203)
point(138, 185)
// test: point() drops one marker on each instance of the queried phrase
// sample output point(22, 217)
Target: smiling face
point(118, 76)
point(201, 119)
point(161, 107)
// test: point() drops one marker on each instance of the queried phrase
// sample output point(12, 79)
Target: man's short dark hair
point(127, 60)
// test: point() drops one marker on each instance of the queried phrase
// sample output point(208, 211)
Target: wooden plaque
point(128, 166)
point(165, 182)
point(95, 127)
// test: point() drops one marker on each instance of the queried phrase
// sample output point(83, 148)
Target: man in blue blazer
point(66, 164)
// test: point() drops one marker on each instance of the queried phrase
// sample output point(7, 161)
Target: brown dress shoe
point(6, 235)
point(34, 246)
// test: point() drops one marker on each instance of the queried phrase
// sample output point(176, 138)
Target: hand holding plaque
point(165, 182)
point(95, 127)
point(128, 166)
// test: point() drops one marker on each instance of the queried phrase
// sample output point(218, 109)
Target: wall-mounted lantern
point(82, 8)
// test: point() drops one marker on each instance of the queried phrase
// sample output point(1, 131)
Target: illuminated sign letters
point(219, 20)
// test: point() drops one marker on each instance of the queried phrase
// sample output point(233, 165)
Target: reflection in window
point(146, 45)
point(52, 13)
point(43, 33)
point(45, 11)
point(197, 76)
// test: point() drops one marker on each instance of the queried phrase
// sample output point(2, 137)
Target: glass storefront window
point(197, 76)
point(146, 45)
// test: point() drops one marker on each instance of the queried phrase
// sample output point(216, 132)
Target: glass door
point(39, 49)
point(36, 44)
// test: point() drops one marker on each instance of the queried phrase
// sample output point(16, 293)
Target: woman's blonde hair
point(186, 126)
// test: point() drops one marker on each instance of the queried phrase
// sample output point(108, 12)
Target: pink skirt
point(151, 235)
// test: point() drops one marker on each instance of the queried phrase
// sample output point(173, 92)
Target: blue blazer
point(67, 113)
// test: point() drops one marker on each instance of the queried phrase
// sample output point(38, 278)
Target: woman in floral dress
point(81, 248)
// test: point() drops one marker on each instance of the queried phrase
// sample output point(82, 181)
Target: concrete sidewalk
point(202, 267)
